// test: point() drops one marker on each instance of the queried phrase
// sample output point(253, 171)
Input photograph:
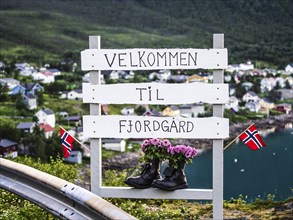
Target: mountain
point(51, 30)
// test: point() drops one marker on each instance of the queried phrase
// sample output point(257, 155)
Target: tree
point(40, 98)
point(287, 85)
point(4, 93)
point(19, 104)
point(277, 86)
point(274, 96)
point(240, 91)
point(256, 86)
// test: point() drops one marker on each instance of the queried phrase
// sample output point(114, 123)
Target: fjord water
point(254, 174)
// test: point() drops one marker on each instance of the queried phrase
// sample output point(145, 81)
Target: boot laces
point(145, 168)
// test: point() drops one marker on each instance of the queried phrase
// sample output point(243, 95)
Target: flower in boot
point(181, 153)
point(155, 148)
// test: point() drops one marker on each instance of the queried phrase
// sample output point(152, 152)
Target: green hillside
point(51, 30)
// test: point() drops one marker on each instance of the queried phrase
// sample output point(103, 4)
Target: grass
point(73, 107)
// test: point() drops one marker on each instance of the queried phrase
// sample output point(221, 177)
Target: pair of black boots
point(150, 177)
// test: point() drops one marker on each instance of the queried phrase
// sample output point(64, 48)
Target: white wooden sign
point(117, 126)
point(150, 59)
point(155, 93)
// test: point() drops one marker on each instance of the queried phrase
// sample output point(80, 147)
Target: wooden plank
point(152, 193)
point(155, 93)
point(151, 59)
point(218, 159)
point(95, 144)
point(117, 126)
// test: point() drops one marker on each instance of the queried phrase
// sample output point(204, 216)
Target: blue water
point(254, 174)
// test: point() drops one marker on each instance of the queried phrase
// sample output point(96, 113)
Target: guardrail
point(57, 196)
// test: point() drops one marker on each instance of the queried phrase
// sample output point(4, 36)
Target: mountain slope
point(48, 30)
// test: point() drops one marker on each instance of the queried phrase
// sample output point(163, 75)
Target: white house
point(10, 82)
point(46, 116)
point(22, 66)
point(27, 72)
point(232, 104)
point(250, 97)
point(267, 84)
point(44, 77)
point(162, 75)
point(114, 144)
point(74, 157)
point(280, 81)
point(253, 106)
point(286, 93)
point(26, 126)
point(242, 66)
point(86, 78)
point(75, 94)
point(127, 111)
point(30, 101)
point(191, 110)
point(289, 68)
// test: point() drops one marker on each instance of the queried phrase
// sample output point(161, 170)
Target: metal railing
point(57, 196)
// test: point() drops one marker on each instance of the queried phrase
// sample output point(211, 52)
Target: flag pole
point(237, 137)
point(76, 139)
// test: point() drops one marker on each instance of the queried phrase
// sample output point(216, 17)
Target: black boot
point(149, 173)
point(174, 178)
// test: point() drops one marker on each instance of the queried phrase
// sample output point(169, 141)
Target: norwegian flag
point(251, 138)
point(67, 141)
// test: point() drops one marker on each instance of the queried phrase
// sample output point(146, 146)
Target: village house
point(191, 110)
point(289, 68)
point(86, 78)
point(253, 106)
point(2, 65)
point(250, 97)
point(285, 108)
point(74, 157)
point(30, 101)
point(197, 78)
point(75, 94)
point(47, 129)
point(115, 144)
point(171, 111)
point(55, 72)
point(266, 105)
point(46, 116)
point(44, 77)
point(247, 85)
point(233, 104)
point(152, 112)
point(27, 127)
point(75, 120)
point(286, 93)
point(242, 66)
point(10, 82)
point(267, 84)
point(177, 79)
point(29, 88)
point(232, 89)
point(114, 75)
point(280, 81)
point(8, 148)
point(162, 75)
point(22, 66)
point(79, 134)
point(127, 111)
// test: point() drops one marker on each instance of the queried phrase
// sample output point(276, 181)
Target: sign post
point(97, 126)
